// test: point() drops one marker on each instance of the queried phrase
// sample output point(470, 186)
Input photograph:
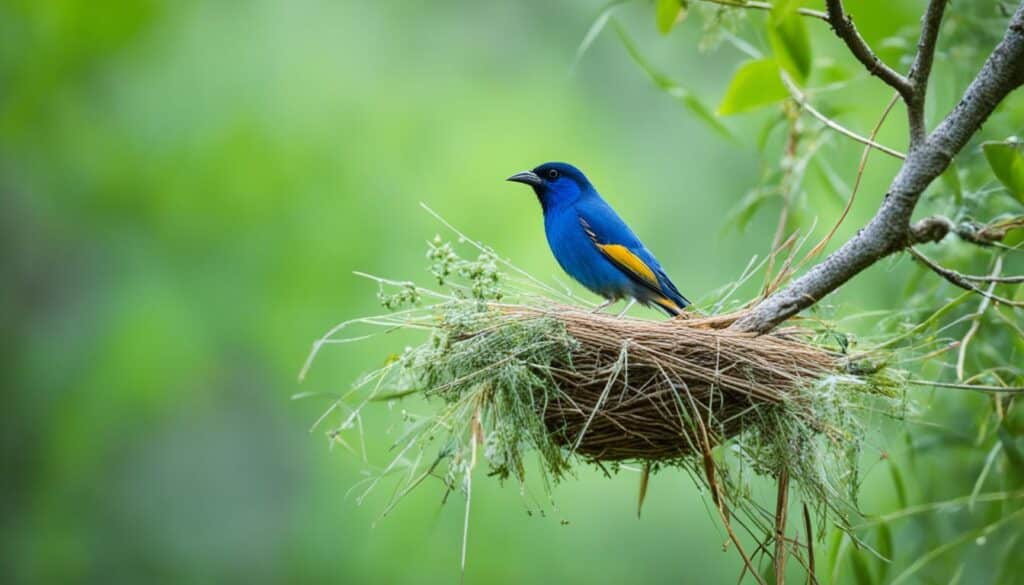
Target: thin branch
point(812, 578)
point(843, 26)
point(957, 279)
point(888, 230)
point(800, 98)
point(936, 227)
point(999, 279)
point(973, 387)
point(921, 68)
point(856, 185)
point(961, 356)
point(991, 233)
point(986, 278)
point(781, 508)
point(766, 6)
point(930, 229)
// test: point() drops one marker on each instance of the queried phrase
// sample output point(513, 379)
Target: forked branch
point(921, 69)
point(843, 26)
point(889, 230)
point(963, 281)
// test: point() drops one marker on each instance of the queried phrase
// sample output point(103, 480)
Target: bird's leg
point(629, 305)
point(603, 306)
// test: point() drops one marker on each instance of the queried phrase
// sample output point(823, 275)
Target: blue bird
point(592, 243)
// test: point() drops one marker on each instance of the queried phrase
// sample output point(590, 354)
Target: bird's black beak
point(527, 177)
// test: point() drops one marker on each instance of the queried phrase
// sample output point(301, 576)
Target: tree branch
point(936, 227)
point(843, 26)
point(921, 69)
point(801, 99)
point(930, 229)
point(960, 280)
point(889, 230)
point(997, 279)
point(757, 5)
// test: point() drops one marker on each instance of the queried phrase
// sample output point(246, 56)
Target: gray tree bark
point(890, 231)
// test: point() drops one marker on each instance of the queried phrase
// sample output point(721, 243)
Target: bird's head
point(555, 183)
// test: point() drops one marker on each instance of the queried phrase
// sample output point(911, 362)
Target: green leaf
point(595, 29)
point(790, 42)
point(1012, 228)
point(701, 110)
point(744, 211)
point(668, 13)
point(1014, 238)
point(834, 547)
point(951, 179)
point(1015, 418)
point(835, 185)
point(885, 549)
point(755, 85)
point(861, 570)
point(1007, 163)
point(666, 84)
point(827, 72)
point(1013, 452)
point(897, 481)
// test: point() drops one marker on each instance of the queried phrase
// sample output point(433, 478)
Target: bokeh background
point(185, 191)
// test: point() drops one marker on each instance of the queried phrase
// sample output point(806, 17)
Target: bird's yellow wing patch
point(627, 260)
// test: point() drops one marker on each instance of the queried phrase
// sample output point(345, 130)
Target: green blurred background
point(185, 190)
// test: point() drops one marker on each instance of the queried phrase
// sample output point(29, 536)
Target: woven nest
point(660, 390)
point(507, 382)
point(514, 380)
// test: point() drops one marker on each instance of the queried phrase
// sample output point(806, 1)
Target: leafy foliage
point(668, 13)
point(1007, 163)
point(946, 334)
point(790, 42)
point(756, 84)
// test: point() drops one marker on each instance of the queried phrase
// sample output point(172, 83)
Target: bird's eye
point(552, 174)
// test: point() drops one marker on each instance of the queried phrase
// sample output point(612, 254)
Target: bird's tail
point(671, 306)
point(671, 300)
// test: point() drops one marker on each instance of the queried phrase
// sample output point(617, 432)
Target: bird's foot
point(629, 305)
point(603, 306)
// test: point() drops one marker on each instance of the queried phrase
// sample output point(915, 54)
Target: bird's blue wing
point(622, 248)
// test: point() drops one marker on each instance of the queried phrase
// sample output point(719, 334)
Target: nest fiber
point(644, 390)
